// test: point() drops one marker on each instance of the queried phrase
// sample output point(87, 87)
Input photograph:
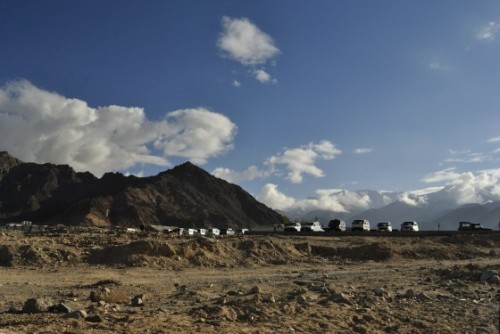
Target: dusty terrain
point(112, 282)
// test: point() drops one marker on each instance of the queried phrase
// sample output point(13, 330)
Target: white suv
point(312, 227)
point(293, 227)
point(360, 225)
point(409, 226)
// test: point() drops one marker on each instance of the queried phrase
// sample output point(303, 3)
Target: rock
point(94, 318)
point(487, 275)
point(271, 299)
point(410, 293)
point(138, 300)
point(256, 289)
point(37, 305)
point(422, 296)
point(95, 297)
point(80, 314)
point(341, 298)
point(61, 307)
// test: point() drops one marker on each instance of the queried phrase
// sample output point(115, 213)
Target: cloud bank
point(460, 188)
point(242, 41)
point(42, 126)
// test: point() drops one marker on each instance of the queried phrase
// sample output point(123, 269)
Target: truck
point(469, 226)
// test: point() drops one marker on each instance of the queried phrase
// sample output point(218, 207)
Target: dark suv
point(468, 226)
point(336, 225)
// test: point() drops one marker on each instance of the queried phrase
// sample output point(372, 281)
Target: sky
point(291, 100)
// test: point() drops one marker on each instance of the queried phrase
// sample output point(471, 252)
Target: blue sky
point(284, 98)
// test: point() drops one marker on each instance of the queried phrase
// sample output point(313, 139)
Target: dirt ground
point(110, 282)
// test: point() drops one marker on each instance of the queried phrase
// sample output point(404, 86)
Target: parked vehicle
point(202, 231)
point(384, 227)
point(336, 225)
point(189, 231)
point(293, 227)
point(213, 231)
point(469, 226)
point(360, 225)
point(227, 231)
point(312, 227)
point(242, 231)
point(409, 226)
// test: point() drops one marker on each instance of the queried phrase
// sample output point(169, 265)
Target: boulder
point(37, 305)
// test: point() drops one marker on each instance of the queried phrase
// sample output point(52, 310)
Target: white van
point(360, 225)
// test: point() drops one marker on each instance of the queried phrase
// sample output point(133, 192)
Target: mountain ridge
point(185, 196)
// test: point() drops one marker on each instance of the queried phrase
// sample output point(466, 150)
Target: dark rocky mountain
point(185, 196)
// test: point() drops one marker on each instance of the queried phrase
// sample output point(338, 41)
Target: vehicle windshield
point(383, 224)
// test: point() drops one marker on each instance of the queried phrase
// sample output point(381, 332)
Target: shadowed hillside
point(184, 196)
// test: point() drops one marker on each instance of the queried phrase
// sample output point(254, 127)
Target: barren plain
point(103, 281)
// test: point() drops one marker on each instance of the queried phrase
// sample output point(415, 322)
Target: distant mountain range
point(188, 196)
point(185, 196)
point(432, 210)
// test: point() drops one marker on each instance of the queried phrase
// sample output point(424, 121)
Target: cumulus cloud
point(236, 83)
point(301, 160)
point(42, 126)
point(196, 134)
point(488, 31)
point(272, 197)
point(412, 199)
point(251, 173)
point(297, 161)
point(467, 187)
point(262, 76)
point(244, 42)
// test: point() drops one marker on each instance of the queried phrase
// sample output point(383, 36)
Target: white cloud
point(488, 31)
point(272, 197)
point(196, 134)
point(301, 160)
point(236, 83)
point(262, 76)
point(467, 187)
point(298, 161)
point(363, 150)
point(41, 126)
point(445, 175)
point(243, 41)
point(412, 199)
point(494, 140)
point(337, 200)
point(251, 173)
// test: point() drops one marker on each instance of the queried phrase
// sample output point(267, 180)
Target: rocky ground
point(100, 281)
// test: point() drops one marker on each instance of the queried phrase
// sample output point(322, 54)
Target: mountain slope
point(184, 196)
